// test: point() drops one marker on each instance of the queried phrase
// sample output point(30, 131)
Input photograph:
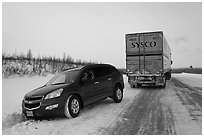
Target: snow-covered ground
point(89, 121)
point(14, 89)
point(194, 80)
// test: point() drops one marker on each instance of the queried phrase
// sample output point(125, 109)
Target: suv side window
point(87, 75)
point(100, 72)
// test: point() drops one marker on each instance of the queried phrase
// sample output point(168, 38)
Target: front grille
point(32, 106)
point(33, 102)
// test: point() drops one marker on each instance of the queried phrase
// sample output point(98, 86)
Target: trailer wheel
point(139, 85)
point(164, 85)
point(132, 86)
point(168, 76)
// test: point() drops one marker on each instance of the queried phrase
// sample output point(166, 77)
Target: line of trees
point(187, 70)
point(22, 64)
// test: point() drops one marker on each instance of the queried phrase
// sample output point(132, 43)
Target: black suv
point(69, 91)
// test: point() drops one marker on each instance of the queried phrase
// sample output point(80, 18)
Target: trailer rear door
point(144, 52)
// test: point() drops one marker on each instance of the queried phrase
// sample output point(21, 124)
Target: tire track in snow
point(148, 114)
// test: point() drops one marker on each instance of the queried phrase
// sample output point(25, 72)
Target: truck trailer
point(148, 59)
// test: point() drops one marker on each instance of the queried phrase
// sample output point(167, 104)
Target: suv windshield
point(65, 77)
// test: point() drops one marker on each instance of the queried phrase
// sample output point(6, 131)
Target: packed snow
point(184, 125)
point(13, 91)
point(194, 80)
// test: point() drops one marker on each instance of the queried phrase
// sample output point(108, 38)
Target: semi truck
point(148, 59)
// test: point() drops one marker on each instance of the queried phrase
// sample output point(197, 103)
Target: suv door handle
point(96, 82)
point(109, 78)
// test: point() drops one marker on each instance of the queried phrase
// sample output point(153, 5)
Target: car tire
point(164, 85)
point(117, 94)
point(139, 85)
point(132, 86)
point(72, 107)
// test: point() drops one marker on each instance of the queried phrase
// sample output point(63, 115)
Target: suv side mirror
point(171, 62)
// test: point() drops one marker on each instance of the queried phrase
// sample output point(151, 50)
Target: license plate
point(29, 113)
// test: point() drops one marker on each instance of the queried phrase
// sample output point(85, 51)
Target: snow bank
point(194, 80)
point(13, 91)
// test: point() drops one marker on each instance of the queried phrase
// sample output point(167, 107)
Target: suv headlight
point(54, 94)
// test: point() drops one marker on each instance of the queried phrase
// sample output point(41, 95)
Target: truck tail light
point(159, 72)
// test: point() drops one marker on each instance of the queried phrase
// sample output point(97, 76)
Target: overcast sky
point(96, 31)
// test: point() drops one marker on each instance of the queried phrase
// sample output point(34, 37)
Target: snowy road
point(142, 111)
point(173, 110)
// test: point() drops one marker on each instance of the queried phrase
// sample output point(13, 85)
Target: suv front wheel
point(72, 107)
point(117, 94)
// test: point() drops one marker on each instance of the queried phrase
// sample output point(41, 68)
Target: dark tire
point(117, 94)
point(139, 85)
point(164, 85)
point(72, 107)
point(132, 86)
point(168, 76)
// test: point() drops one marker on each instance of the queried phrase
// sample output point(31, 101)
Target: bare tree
point(29, 56)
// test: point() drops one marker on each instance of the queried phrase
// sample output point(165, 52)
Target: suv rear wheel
point(117, 94)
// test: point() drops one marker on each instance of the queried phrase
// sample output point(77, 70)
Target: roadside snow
point(14, 89)
point(194, 80)
point(90, 120)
